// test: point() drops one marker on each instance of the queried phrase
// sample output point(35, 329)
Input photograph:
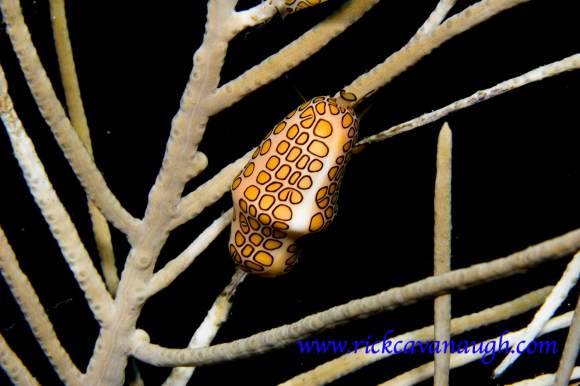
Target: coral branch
point(208, 329)
point(436, 17)
point(442, 250)
point(571, 349)
point(422, 44)
point(349, 363)
point(175, 267)
point(68, 72)
point(567, 64)
point(180, 163)
point(384, 301)
point(554, 300)
point(34, 313)
point(290, 56)
point(432, 22)
point(61, 226)
point(425, 371)
point(13, 366)
point(189, 123)
point(52, 111)
point(78, 119)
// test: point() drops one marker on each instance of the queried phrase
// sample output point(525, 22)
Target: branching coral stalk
point(189, 123)
point(559, 293)
point(384, 301)
point(567, 64)
point(53, 112)
point(79, 121)
point(112, 348)
point(35, 315)
point(13, 366)
point(207, 330)
point(166, 275)
point(432, 22)
point(571, 349)
point(59, 222)
point(422, 44)
point(349, 363)
point(442, 250)
point(425, 371)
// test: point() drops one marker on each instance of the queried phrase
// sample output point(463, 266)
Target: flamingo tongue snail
point(290, 186)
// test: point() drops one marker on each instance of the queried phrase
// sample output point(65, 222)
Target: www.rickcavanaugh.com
point(386, 345)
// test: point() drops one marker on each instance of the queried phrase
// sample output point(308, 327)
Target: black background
point(515, 173)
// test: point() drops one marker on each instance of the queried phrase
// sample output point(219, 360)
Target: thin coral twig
point(35, 315)
point(58, 219)
point(13, 366)
point(166, 275)
point(442, 250)
point(567, 64)
point(384, 301)
point(425, 371)
point(554, 300)
point(208, 329)
point(78, 119)
point(68, 72)
point(433, 21)
point(290, 56)
point(349, 363)
point(53, 113)
point(422, 44)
